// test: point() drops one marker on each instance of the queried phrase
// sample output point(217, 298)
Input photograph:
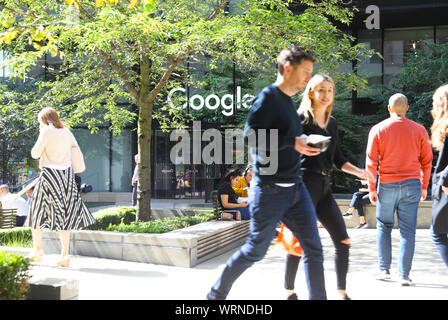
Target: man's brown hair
point(292, 56)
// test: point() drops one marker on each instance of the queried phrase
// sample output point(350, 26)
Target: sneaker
point(383, 275)
point(405, 281)
point(361, 226)
point(347, 215)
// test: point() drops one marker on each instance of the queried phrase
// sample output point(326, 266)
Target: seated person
point(9, 202)
point(242, 186)
point(359, 200)
point(227, 197)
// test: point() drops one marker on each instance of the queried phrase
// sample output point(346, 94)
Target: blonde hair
point(50, 116)
point(306, 106)
point(439, 112)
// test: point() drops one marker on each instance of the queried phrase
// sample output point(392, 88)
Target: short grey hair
point(398, 100)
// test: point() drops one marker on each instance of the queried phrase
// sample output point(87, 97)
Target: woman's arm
point(227, 205)
point(40, 144)
point(354, 170)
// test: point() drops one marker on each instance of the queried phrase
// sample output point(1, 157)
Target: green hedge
point(14, 276)
point(163, 225)
point(118, 219)
point(16, 237)
point(112, 216)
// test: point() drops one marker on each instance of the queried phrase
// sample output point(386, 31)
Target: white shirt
point(20, 204)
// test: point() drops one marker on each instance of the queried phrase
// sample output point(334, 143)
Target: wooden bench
point(217, 209)
point(7, 218)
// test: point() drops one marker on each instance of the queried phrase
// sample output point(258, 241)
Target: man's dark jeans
point(270, 204)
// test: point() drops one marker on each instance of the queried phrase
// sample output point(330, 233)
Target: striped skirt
point(57, 203)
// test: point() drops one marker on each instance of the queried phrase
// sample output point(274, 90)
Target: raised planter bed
point(182, 248)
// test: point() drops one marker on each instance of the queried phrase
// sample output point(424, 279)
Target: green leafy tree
point(423, 71)
point(119, 58)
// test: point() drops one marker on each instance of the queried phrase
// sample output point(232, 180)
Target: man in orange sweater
point(399, 149)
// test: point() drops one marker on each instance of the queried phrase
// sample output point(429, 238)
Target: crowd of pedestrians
point(397, 171)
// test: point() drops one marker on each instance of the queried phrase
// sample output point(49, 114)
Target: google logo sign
point(212, 101)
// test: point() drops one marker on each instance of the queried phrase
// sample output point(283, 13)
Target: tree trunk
point(144, 167)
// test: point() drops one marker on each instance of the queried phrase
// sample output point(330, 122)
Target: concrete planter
point(183, 248)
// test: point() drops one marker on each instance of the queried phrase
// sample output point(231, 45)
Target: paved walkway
point(110, 279)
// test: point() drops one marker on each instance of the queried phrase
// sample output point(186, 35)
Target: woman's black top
point(332, 156)
point(225, 188)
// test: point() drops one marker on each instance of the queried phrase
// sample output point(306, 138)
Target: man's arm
point(372, 155)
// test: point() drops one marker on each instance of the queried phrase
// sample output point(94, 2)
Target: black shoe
point(361, 226)
point(346, 297)
point(347, 215)
point(293, 297)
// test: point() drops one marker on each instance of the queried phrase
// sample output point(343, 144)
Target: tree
point(134, 51)
point(423, 71)
point(15, 138)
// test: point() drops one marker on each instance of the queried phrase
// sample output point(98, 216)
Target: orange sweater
point(402, 148)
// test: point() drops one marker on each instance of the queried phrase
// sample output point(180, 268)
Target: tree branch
point(121, 72)
point(175, 62)
point(17, 12)
point(218, 10)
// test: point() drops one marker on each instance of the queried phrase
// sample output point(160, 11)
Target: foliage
point(16, 237)
point(423, 71)
point(163, 225)
point(118, 58)
point(15, 140)
point(13, 276)
point(112, 216)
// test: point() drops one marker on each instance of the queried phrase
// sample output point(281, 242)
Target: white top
point(53, 147)
point(8, 202)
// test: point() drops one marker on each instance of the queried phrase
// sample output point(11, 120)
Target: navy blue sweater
point(273, 109)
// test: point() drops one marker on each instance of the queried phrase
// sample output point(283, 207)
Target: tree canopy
point(117, 59)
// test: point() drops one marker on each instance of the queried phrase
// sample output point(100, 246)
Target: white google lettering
point(212, 101)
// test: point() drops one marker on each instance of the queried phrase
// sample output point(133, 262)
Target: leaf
point(132, 4)
point(99, 3)
point(70, 2)
point(36, 46)
point(8, 22)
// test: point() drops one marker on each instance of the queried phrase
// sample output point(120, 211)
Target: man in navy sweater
point(280, 195)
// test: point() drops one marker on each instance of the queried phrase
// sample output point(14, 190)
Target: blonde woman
point(439, 131)
point(315, 113)
point(57, 204)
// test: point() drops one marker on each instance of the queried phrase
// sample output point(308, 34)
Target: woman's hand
point(445, 189)
point(243, 204)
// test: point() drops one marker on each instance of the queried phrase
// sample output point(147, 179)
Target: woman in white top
point(57, 204)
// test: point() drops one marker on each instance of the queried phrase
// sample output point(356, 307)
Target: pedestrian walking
point(57, 203)
point(315, 114)
point(439, 132)
point(281, 196)
point(134, 181)
point(399, 150)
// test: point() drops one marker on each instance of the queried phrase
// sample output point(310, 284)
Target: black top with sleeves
point(225, 188)
point(325, 160)
point(439, 198)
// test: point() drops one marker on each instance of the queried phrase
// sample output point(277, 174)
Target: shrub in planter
point(162, 226)
point(112, 216)
point(16, 237)
point(14, 276)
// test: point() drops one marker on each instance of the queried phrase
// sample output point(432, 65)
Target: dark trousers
point(134, 194)
point(330, 216)
point(359, 200)
point(441, 243)
point(268, 205)
point(20, 220)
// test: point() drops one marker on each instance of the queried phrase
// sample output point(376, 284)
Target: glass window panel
point(370, 68)
point(122, 162)
point(397, 43)
point(95, 148)
point(442, 34)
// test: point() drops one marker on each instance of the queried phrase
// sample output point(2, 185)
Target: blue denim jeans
point(268, 205)
point(402, 197)
point(441, 242)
